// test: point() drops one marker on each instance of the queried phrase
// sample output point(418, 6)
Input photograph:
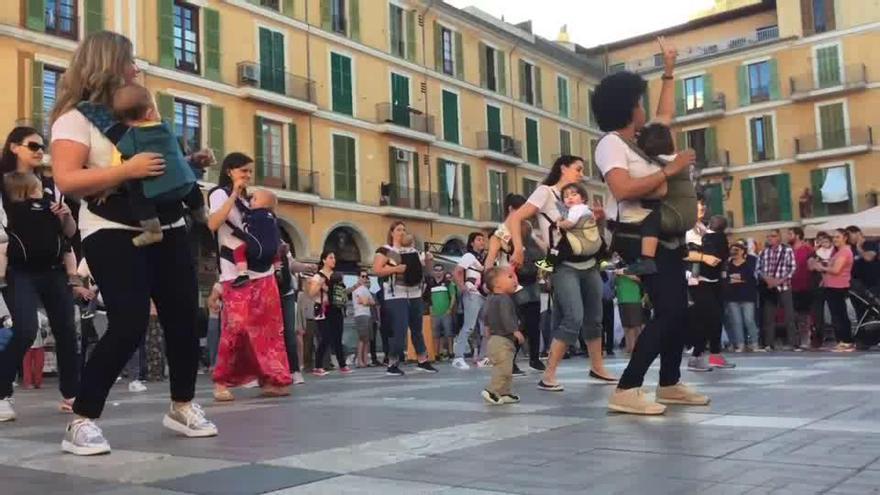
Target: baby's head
point(263, 198)
point(574, 194)
point(21, 186)
point(500, 280)
point(408, 241)
point(133, 103)
point(717, 223)
point(656, 139)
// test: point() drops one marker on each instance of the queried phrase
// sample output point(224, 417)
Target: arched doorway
point(349, 245)
point(294, 237)
point(453, 247)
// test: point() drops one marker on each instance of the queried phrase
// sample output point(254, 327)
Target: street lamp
point(727, 185)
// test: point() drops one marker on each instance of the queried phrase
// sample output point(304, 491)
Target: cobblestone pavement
point(788, 423)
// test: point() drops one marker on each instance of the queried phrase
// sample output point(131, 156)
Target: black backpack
point(35, 236)
point(413, 275)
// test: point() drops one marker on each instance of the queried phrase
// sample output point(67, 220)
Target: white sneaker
point(83, 437)
point(484, 363)
point(298, 378)
point(137, 386)
point(461, 364)
point(190, 421)
point(7, 413)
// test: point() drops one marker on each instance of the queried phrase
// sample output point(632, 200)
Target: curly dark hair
point(615, 98)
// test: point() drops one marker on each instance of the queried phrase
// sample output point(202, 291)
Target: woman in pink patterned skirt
point(252, 338)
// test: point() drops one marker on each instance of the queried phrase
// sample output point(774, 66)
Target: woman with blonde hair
point(128, 276)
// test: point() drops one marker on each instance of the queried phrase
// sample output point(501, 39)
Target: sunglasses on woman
point(34, 146)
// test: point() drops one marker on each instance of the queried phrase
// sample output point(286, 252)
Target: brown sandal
point(223, 396)
point(270, 391)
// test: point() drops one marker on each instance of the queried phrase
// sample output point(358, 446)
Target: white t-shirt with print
point(74, 126)
point(228, 271)
point(473, 270)
point(612, 152)
point(362, 292)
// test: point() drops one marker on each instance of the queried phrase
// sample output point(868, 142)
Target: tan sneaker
point(681, 394)
point(634, 401)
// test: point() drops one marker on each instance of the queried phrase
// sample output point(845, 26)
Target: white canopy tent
point(867, 220)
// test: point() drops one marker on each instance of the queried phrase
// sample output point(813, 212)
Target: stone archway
point(292, 235)
point(454, 246)
point(350, 245)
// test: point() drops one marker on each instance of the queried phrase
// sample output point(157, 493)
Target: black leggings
point(705, 324)
point(836, 299)
point(129, 277)
point(530, 315)
point(608, 326)
point(27, 289)
point(330, 335)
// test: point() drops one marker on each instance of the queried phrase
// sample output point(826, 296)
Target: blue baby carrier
point(260, 234)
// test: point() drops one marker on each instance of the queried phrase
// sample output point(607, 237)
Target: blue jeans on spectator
point(403, 314)
point(473, 303)
point(741, 324)
point(577, 304)
point(213, 339)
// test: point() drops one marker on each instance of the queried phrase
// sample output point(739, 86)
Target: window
point(832, 125)
point(616, 67)
point(831, 190)
point(337, 16)
point(61, 18)
point(404, 169)
point(340, 79)
point(766, 199)
point(658, 60)
point(491, 68)
point(344, 168)
point(528, 186)
point(273, 153)
point(533, 153)
point(820, 19)
point(271, 4)
point(562, 91)
point(454, 188)
point(693, 94)
point(713, 197)
point(759, 81)
point(51, 79)
point(564, 142)
point(827, 67)
point(696, 139)
point(527, 79)
point(450, 117)
point(448, 51)
point(186, 37)
point(188, 124)
point(761, 133)
point(397, 22)
point(497, 192)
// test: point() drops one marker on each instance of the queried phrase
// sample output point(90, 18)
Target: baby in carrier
point(259, 243)
point(410, 257)
point(575, 213)
point(133, 105)
point(34, 231)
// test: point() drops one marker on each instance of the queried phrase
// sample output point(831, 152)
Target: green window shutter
point(714, 199)
point(35, 15)
point(522, 81)
point(532, 151)
point(505, 188)
point(708, 93)
point(354, 19)
point(493, 123)
point(679, 97)
point(293, 151)
point(352, 169)
point(417, 193)
point(212, 44)
point(395, 34)
point(711, 146)
point(754, 135)
point(562, 92)
point(94, 16)
point(494, 195)
point(783, 187)
point(410, 35)
point(38, 120)
point(828, 65)
point(326, 22)
point(646, 102)
point(165, 105)
point(165, 16)
point(278, 59)
point(466, 191)
point(773, 68)
point(340, 70)
point(742, 83)
point(564, 142)
point(287, 8)
point(441, 187)
point(259, 159)
point(217, 133)
point(400, 100)
point(539, 98)
point(748, 200)
point(344, 168)
point(832, 126)
point(459, 56)
point(481, 52)
point(450, 117)
point(501, 74)
point(680, 141)
point(768, 137)
point(817, 178)
point(438, 47)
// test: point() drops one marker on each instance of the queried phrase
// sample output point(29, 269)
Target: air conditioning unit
point(402, 155)
point(249, 74)
point(507, 145)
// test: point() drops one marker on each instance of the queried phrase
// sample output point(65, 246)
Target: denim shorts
point(442, 326)
point(577, 304)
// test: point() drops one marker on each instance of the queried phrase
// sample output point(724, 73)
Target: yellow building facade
point(358, 112)
point(779, 99)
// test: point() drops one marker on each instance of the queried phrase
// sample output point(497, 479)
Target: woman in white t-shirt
point(577, 285)
point(468, 276)
point(129, 276)
point(252, 340)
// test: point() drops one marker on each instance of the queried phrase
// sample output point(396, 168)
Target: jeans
point(577, 304)
point(741, 325)
point(708, 312)
point(213, 338)
point(769, 312)
point(664, 334)
point(836, 299)
point(473, 303)
point(27, 289)
point(288, 312)
point(404, 313)
point(330, 335)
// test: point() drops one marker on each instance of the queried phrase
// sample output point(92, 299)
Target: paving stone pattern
point(778, 424)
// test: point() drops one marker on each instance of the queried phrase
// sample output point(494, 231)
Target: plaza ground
point(782, 424)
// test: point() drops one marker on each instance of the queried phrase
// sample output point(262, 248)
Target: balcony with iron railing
point(491, 212)
point(714, 107)
point(834, 143)
point(811, 85)
point(405, 121)
point(276, 86)
point(398, 196)
point(689, 54)
point(295, 180)
point(497, 146)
